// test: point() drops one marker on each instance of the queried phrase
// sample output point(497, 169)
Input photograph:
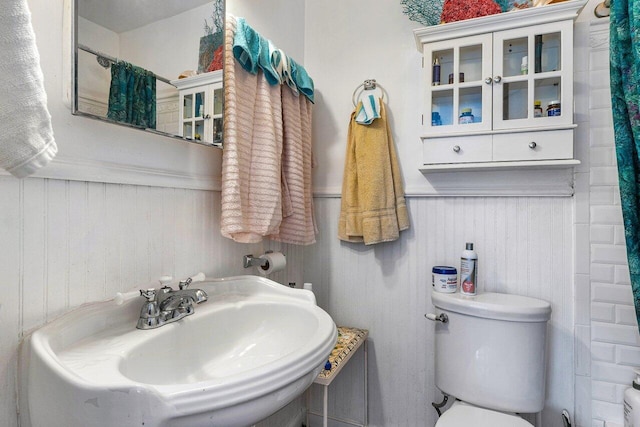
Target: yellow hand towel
point(373, 208)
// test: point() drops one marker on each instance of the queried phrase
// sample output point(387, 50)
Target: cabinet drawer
point(546, 145)
point(461, 149)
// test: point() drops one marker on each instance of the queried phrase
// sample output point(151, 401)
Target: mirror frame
point(74, 93)
point(167, 162)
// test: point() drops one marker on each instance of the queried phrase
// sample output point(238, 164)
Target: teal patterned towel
point(132, 96)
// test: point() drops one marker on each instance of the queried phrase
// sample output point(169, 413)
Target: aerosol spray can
point(435, 78)
point(632, 402)
point(468, 271)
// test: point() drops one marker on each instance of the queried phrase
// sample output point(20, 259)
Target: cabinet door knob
point(456, 148)
point(533, 145)
point(488, 80)
point(207, 117)
point(497, 79)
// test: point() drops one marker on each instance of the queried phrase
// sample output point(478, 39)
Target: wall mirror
point(129, 57)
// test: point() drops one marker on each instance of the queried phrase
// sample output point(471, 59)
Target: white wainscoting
point(66, 243)
point(525, 247)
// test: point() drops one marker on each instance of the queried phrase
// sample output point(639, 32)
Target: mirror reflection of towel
point(132, 95)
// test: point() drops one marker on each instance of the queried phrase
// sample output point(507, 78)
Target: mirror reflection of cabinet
point(500, 93)
point(201, 107)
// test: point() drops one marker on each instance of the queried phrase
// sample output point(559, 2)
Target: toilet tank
point(491, 352)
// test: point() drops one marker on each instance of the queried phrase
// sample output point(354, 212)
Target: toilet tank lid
point(491, 305)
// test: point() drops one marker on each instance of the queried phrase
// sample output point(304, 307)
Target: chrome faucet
point(167, 305)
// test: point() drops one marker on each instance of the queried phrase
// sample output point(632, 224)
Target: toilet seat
point(463, 414)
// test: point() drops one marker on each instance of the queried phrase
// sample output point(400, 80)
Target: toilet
point(490, 356)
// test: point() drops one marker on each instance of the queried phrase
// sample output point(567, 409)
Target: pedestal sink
point(249, 350)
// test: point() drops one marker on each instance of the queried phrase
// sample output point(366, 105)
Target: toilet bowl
point(490, 355)
point(462, 414)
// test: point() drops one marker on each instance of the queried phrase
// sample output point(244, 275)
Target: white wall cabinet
point(480, 111)
point(201, 107)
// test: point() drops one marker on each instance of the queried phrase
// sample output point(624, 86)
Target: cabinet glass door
point(218, 96)
point(193, 111)
point(528, 74)
point(187, 106)
point(458, 99)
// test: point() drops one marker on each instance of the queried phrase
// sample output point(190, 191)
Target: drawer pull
point(456, 148)
point(533, 145)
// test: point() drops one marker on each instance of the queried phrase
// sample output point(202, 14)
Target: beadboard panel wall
point(66, 243)
point(525, 246)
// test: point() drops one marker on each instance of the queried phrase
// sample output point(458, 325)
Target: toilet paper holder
point(251, 261)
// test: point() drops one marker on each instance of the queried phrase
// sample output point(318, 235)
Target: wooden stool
point(349, 341)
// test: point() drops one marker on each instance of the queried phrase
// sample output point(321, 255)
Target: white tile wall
point(615, 341)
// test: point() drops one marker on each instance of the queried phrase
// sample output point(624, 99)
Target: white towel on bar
point(26, 135)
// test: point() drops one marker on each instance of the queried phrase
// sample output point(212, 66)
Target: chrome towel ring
point(369, 84)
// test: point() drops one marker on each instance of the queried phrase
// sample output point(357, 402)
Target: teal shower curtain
point(132, 96)
point(625, 103)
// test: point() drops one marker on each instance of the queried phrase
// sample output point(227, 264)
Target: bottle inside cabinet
point(462, 88)
point(543, 72)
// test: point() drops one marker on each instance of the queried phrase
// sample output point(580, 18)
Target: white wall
point(170, 46)
point(281, 21)
point(525, 244)
point(166, 47)
point(382, 289)
point(64, 243)
point(346, 43)
point(93, 79)
point(524, 247)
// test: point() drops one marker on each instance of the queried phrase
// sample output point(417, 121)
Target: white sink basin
point(246, 352)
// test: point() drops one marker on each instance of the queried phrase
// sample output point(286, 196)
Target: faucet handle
point(184, 284)
point(198, 277)
point(165, 280)
point(149, 294)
